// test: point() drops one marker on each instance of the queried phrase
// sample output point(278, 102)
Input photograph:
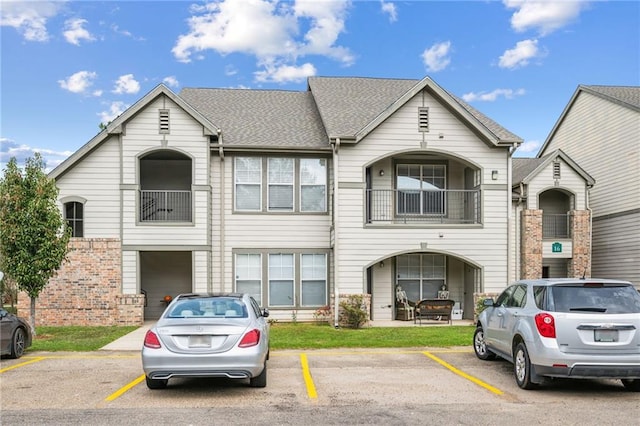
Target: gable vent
point(423, 119)
point(556, 170)
point(164, 121)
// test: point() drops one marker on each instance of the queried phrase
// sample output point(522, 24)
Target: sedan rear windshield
point(593, 297)
point(228, 307)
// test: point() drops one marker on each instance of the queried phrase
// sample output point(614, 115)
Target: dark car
point(564, 328)
point(208, 335)
point(15, 335)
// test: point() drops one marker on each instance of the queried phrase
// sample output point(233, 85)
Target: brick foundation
point(87, 289)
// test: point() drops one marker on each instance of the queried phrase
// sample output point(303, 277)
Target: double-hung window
point(313, 280)
point(280, 184)
point(313, 185)
point(292, 184)
point(281, 280)
point(248, 182)
point(421, 189)
point(249, 274)
point(74, 215)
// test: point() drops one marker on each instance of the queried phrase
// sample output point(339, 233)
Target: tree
point(33, 235)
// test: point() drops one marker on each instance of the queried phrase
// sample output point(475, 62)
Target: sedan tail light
point(546, 325)
point(252, 338)
point(151, 340)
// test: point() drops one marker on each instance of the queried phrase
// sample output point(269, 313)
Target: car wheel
point(260, 380)
point(632, 385)
point(17, 343)
point(156, 384)
point(522, 367)
point(480, 346)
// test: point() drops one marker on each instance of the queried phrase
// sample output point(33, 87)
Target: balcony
point(556, 226)
point(453, 206)
point(165, 206)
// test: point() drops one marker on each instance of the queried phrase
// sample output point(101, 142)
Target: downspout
point(336, 244)
point(222, 197)
point(512, 149)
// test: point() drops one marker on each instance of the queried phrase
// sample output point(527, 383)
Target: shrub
point(354, 313)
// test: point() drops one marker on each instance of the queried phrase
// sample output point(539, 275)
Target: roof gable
point(351, 107)
point(525, 169)
point(116, 126)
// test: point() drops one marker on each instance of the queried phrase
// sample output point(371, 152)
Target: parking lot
point(450, 381)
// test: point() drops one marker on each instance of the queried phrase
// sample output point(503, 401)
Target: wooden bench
point(435, 309)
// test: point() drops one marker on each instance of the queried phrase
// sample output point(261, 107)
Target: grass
point(283, 336)
point(76, 338)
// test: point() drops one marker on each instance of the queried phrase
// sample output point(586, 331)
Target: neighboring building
point(552, 229)
point(600, 130)
point(355, 186)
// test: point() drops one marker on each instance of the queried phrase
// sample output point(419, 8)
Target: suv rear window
point(593, 297)
point(229, 307)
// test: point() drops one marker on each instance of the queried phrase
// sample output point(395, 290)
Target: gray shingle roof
point(347, 104)
point(261, 118)
point(522, 167)
point(628, 95)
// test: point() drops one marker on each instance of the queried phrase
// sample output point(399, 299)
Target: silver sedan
point(573, 328)
point(208, 335)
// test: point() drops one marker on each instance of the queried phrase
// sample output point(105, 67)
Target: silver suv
point(565, 327)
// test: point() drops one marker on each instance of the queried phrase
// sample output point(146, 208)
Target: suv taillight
point(250, 339)
point(151, 340)
point(546, 325)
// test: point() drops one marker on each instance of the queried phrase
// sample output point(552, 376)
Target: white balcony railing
point(451, 206)
point(165, 206)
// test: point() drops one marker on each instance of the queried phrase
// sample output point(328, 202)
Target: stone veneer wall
point(580, 263)
point(87, 289)
point(531, 244)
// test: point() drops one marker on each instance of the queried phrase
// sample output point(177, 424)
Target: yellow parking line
point(308, 381)
point(22, 364)
point(125, 388)
point(463, 374)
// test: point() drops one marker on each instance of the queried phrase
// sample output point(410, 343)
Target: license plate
point(605, 335)
point(199, 341)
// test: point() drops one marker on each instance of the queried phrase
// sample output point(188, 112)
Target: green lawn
point(283, 336)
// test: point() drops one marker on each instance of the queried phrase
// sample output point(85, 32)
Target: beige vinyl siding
point(130, 272)
point(286, 231)
point(362, 246)
point(200, 271)
point(602, 137)
point(616, 248)
point(569, 181)
point(186, 136)
point(97, 179)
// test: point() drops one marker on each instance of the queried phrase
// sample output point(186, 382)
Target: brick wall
point(531, 244)
point(580, 263)
point(87, 289)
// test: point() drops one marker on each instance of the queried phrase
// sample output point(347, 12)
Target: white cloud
point(126, 84)
point(115, 109)
point(171, 81)
point(75, 31)
point(520, 55)
point(436, 57)
point(29, 18)
point(493, 95)
point(269, 30)
point(390, 9)
point(79, 82)
point(284, 73)
point(10, 149)
point(528, 147)
point(544, 15)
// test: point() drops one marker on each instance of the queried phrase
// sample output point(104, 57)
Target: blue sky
point(67, 66)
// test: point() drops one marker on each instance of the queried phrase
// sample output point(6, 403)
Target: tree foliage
point(33, 235)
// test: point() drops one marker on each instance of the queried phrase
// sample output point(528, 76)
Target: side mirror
point(3, 313)
point(488, 302)
point(265, 312)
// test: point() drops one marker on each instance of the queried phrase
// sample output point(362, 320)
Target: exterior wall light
point(494, 175)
